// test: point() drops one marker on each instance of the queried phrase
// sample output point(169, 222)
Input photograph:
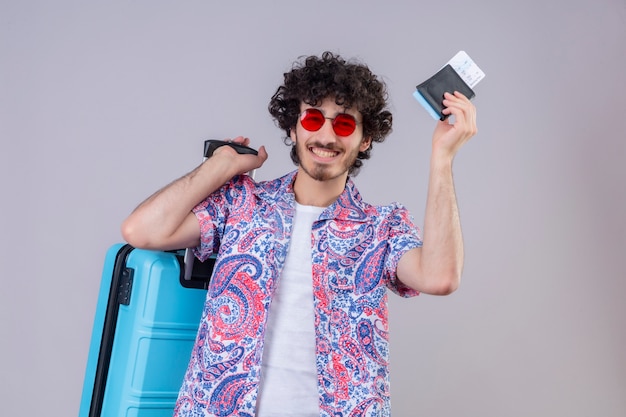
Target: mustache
point(327, 146)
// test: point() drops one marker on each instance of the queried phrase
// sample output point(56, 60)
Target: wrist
point(441, 160)
point(219, 166)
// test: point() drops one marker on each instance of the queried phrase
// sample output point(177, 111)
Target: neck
point(310, 192)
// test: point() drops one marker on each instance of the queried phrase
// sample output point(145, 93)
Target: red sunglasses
point(312, 120)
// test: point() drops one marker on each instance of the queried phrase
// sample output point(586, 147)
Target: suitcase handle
point(188, 261)
point(192, 271)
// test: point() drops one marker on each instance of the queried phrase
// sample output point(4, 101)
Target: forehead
point(329, 107)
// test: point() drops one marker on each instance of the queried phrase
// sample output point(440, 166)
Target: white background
point(102, 103)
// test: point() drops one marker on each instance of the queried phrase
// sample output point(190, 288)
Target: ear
point(292, 134)
point(365, 144)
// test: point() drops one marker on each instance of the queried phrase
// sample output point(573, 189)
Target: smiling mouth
point(323, 153)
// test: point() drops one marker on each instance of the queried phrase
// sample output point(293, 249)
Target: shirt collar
point(348, 206)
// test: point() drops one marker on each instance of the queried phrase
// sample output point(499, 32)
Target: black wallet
point(445, 80)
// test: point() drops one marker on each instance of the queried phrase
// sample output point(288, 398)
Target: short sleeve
point(214, 211)
point(403, 235)
point(210, 215)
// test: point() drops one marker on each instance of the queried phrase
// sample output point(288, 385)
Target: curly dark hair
point(351, 84)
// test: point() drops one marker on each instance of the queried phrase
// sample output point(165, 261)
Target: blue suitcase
point(147, 317)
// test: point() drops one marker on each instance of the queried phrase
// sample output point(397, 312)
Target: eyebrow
point(336, 114)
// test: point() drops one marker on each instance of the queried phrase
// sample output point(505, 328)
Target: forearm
point(436, 267)
point(442, 251)
point(159, 221)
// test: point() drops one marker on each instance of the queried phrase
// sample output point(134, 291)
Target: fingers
point(242, 140)
point(462, 109)
point(262, 153)
point(456, 101)
point(451, 134)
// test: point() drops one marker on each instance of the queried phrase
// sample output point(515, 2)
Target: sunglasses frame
point(345, 116)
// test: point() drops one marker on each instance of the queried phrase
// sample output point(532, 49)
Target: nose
point(326, 133)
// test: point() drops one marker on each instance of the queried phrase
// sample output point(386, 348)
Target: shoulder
point(392, 212)
point(353, 197)
point(351, 206)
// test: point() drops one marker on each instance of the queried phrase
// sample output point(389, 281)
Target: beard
point(324, 172)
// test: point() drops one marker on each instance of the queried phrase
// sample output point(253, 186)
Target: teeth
point(323, 153)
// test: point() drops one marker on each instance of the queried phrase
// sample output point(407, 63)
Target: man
point(295, 322)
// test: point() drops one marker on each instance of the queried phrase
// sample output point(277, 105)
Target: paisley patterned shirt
point(355, 248)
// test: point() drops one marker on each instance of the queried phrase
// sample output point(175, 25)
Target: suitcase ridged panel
point(153, 338)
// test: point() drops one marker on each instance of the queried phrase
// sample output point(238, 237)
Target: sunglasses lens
point(344, 125)
point(312, 119)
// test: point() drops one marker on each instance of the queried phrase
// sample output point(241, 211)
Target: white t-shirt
point(288, 372)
